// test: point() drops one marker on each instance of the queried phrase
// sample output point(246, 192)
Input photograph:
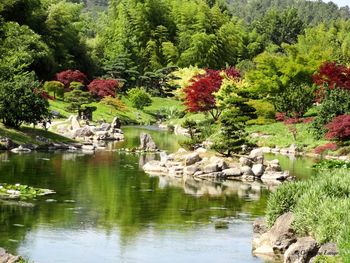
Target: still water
point(108, 210)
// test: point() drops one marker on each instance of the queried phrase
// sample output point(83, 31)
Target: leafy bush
point(336, 102)
point(101, 88)
point(295, 100)
point(339, 128)
point(263, 108)
point(114, 103)
point(171, 112)
point(139, 98)
point(325, 148)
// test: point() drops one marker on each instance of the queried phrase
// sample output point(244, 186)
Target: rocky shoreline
point(6, 257)
point(87, 138)
point(201, 165)
point(280, 243)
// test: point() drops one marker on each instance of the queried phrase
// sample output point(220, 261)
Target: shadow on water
point(107, 209)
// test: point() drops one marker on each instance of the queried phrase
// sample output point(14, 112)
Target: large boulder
point(232, 172)
point(191, 170)
point(301, 251)
point(270, 176)
point(83, 132)
point(104, 127)
point(147, 143)
point(154, 167)
point(192, 158)
point(222, 165)
point(244, 161)
point(254, 154)
point(277, 240)
point(258, 169)
point(211, 168)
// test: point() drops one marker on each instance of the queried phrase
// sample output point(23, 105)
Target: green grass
point(129, 116)
point(281, 136)
point(320, 205)
point(28, 135)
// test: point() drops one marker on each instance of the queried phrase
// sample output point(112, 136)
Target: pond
point(108, 210)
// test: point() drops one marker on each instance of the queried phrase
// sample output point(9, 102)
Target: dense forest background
point(127, 39)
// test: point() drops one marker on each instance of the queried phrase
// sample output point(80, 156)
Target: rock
point(192, 158)
point(7, 143)
point(163, 157)
point(260, 226)
point(88, 147)
point(154, 167)
point(266, 149)
point(293, 149)
point(301, 251)
point(105, 127)
point(181, 151)
point(273, 166)
point(278, 238)
point(244, 161)
point(30, 146)
point(256, 153)
point(275, 150)
point(116, 123)
point(83, 132)
point(232, 172)
point(21, 149)
point(201, 150)
point(246, 170)
point(222, 165)
point(176, 171)
point(211, 168)
point(258, 170)
point(191, 170)
point(147, 143)
point(74, 123)
point(8, 258)
point(269, 176)
point(328, 249)
point(178, 130)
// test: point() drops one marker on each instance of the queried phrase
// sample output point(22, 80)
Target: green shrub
point(139, 98)
point(331, 164)
point(264, 109)
point(327, 259)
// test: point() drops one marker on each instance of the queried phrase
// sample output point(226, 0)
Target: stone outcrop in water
point(92, 133)
point(281, 244)
point(8, 258)
point(147, 144)
point(200, 165)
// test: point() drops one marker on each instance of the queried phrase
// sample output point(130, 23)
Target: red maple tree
point(103, 87)
point(68, 76)
point(199, 96)
point(339, 128)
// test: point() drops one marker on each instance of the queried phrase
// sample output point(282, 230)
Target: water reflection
point(107, 205)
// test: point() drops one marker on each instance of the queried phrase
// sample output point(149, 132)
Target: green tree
point(77, 97)
point(21, 101)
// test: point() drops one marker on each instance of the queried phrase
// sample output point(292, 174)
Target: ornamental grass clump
point(320, 205)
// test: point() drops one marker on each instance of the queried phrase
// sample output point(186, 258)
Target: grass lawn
point(282, 137)
point(28, 135)
point(130, 115)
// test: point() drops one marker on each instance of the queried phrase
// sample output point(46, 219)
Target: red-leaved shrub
point(339, 128)
point(103, 87)
point(68, 76)
point(327, 147)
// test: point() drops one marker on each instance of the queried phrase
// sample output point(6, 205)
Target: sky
point(341, 2)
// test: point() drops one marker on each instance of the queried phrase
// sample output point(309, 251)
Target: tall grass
point(320, 205)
